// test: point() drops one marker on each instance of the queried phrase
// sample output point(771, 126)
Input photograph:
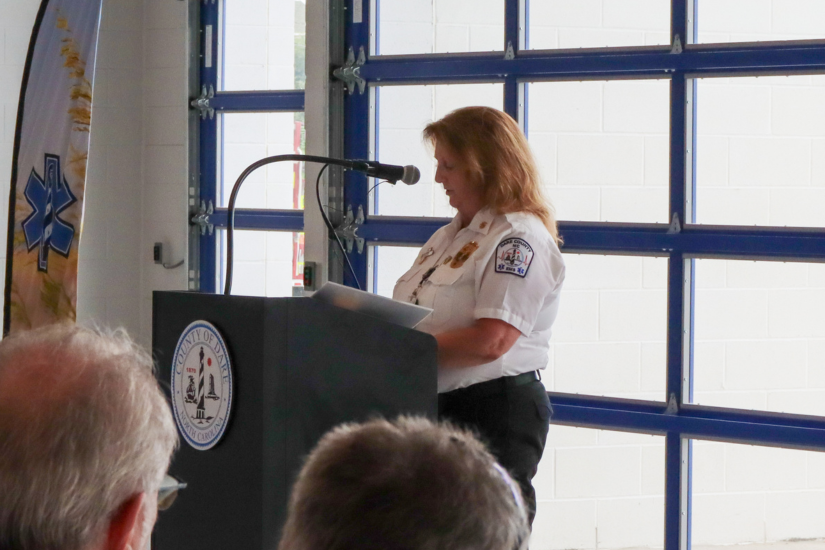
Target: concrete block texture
point(414, 11)
point(564, 524)
point(798, 111)
point(769, 162)
point(653, 367)
point(794, 313)
point(598, 472)
point(811, 402)
point(751, 468)
point(816, 363)
point(795, 515)
point(797, 207)
point(647, 15)
point(398, 38)
point(631, 522)
point(566, 107)
point(598, 369)
point(439, 26)
point(599, 272)
point(732, 107)
point(709, 366)
point(734, 16)
point(708, 467)
point(765, 364)
point(740, 206)
point(485, 12)
point(595, 23)
point(730, 314)
point(582, 14)
point(798, 17)
point(657, 161)
point(754, 400)
point(728, 518)
point(600, 160)
point(637, 106)
point(632, 315)
point(577, 203)
point(634, 204)
point(578, 318)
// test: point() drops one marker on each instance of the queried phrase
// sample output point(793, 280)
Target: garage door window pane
point(403, 111)
point(602, 148)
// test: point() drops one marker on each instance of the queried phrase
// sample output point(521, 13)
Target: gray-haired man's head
point(86, 436)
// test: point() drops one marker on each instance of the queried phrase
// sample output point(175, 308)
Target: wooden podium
point(300, 367)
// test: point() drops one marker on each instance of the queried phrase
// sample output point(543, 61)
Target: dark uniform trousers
point(511, 415)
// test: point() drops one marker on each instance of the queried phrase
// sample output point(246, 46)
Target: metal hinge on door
point(350, 73)
point(201, 103)
point(348, 231)
point(201, 218)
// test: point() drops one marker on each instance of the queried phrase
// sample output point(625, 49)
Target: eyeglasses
point(168, 491)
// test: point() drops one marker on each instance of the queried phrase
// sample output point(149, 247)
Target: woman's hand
point(482, 342)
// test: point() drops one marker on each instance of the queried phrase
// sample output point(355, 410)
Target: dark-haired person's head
point(408, 484)
point(86, 436)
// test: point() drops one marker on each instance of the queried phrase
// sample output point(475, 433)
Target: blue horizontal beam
point(776, 243)
point(400, 230)
point(691, 421)
point(650, 61)
point(272, 220)
point(291, 100)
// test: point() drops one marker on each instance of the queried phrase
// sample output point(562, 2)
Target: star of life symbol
point(48, 196)
point(514, 256)
point(201, 385)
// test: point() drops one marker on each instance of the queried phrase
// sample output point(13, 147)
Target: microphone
point(407, 174)
point(389, 172)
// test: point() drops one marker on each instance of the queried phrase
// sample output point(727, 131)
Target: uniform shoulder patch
point(514, 256)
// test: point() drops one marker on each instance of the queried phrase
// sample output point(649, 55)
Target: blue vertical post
point(676, 453)
point(691, 30)
point(512, 39)
point(356, 130)
point(208, 140)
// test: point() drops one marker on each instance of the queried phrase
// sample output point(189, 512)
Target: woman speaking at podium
point(492, 277)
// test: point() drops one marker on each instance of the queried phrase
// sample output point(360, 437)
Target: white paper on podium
point(399, 313)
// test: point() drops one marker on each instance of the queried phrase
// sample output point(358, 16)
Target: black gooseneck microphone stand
point(348, 164)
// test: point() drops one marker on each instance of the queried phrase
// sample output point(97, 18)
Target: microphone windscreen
point(411, 175)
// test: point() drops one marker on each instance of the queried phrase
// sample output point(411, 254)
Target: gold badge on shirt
point(462, 255)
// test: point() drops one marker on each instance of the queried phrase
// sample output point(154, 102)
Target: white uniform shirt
point(514, 273)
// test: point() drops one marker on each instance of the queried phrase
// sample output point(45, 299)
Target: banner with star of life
point(51, 146)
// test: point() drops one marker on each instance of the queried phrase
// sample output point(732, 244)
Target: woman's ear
point(126, 525)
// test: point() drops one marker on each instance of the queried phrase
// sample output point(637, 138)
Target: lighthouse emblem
point(201, 385)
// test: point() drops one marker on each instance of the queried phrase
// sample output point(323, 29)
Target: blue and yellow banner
point(48, 181)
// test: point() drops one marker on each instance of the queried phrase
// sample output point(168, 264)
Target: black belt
point(521, 379)
point(497, 385)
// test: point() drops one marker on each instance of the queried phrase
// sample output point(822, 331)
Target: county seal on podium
point(201, 385)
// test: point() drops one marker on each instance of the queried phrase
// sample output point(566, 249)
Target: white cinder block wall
point(165, 149)
point(137, 183)
point(109, 263)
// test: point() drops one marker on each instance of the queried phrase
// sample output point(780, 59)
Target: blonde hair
point(498, 160)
